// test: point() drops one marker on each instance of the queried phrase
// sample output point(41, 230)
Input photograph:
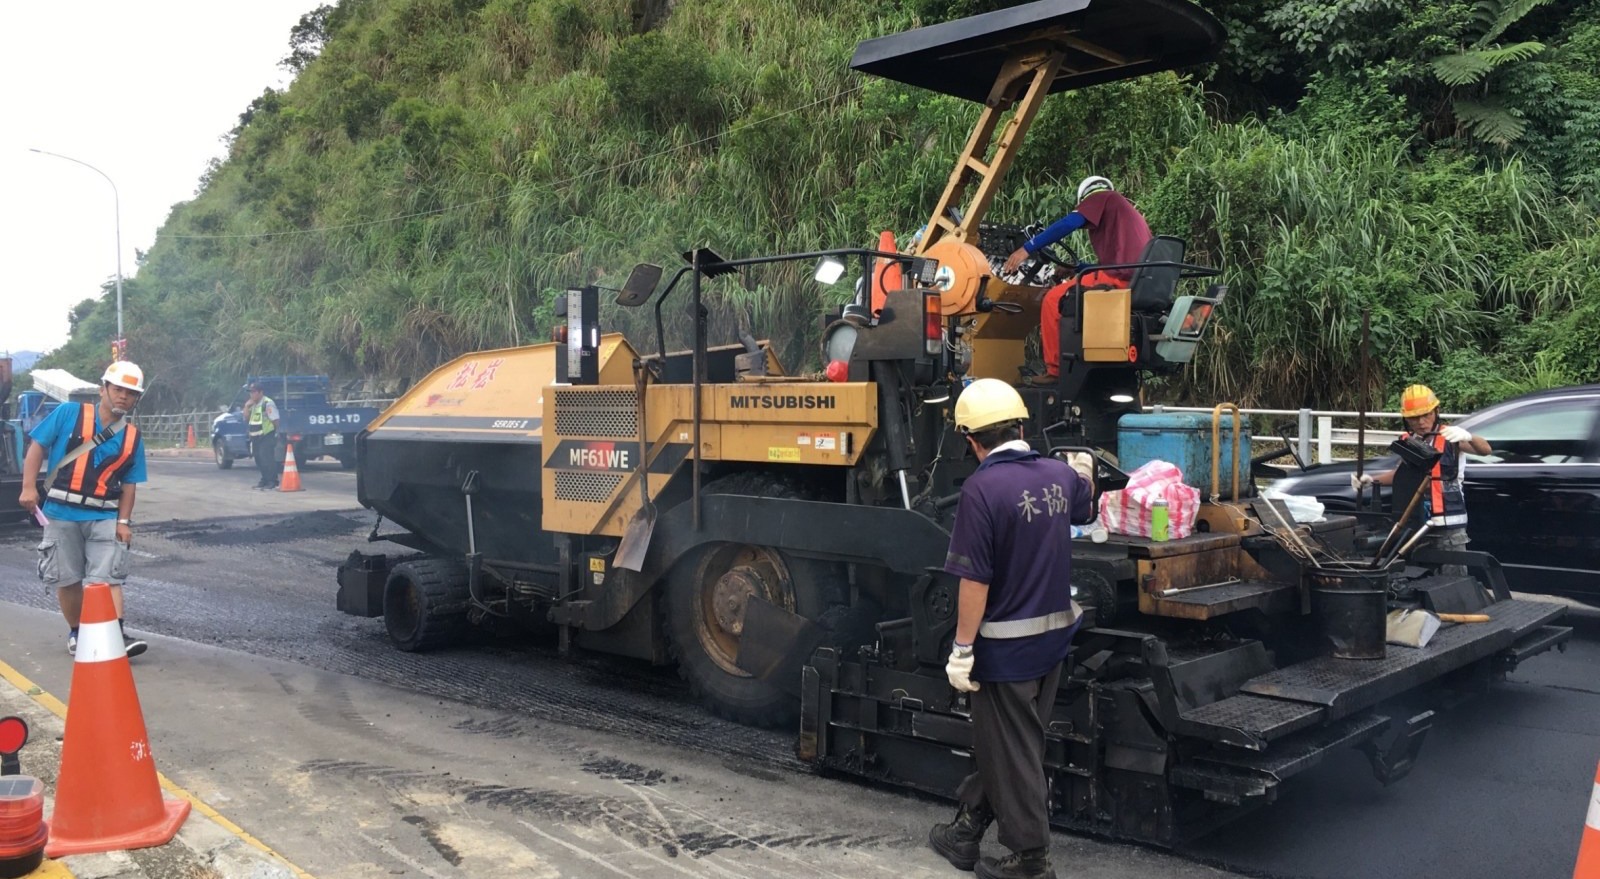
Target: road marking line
point(39, 695)
point(578, 850)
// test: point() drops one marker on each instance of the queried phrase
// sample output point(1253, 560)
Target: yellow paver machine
point(779, 536)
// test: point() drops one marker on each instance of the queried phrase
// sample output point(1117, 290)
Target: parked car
point(1533, 501)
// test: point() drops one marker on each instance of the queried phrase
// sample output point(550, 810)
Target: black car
point(1533, 501)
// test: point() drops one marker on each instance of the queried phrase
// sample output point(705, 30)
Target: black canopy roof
point(1106, 40)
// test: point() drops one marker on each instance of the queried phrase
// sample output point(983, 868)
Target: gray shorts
point(77, 552)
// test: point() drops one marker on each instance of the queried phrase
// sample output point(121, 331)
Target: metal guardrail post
point(1324, 439)
point(1303, 433)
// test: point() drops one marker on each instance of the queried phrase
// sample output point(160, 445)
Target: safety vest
point(260, 424)
point(87, 484)
point(1446, 502)
point(1048, 610)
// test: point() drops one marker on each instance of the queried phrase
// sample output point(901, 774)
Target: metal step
point(1286, 700)
point(1232, 775)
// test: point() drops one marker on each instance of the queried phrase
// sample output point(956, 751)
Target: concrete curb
point(203, 848)
point(203, 454)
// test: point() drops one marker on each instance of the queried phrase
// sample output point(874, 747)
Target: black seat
point(1155, 286)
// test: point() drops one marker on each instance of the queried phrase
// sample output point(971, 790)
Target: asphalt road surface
point(500, 758)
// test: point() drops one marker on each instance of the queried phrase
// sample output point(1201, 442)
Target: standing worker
point(96, 458)
point(1118, 233)
point(1012, 548)
point(261, 418)
point(1444, 504)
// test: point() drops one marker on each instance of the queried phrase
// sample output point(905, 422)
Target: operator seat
point(1155, 286)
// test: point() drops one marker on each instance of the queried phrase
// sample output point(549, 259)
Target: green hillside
point(439, 167)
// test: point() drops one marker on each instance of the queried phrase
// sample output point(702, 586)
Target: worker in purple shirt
point(1011, 545)
point(1118, 233)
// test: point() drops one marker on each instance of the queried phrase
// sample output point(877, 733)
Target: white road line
point(580, 851)
point(758, 845)
point(399, 855)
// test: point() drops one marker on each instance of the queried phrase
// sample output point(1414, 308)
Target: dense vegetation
point(440, 167)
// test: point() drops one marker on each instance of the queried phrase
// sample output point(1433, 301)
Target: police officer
point(261, 418)
point(1012, 548)
point(1444, 502)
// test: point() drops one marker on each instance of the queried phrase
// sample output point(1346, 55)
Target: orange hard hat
point(1417, 400)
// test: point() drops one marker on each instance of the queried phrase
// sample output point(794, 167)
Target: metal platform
point(1287, 700)
point(1207, 602)
point(1106, 40)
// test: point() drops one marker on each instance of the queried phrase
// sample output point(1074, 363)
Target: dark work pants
point(1008, 721)
point(268, 458)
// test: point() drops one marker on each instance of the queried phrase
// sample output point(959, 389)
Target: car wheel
point(219, 451)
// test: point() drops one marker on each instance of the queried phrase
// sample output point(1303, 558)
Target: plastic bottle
point(1158, 519)
point(1095, 532)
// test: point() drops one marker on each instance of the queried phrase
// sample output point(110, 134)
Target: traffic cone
point(290, 481)
point(1589, 849)
point(189, 443)
point(107, 794)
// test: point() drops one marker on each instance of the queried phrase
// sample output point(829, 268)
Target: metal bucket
point(1351, 605)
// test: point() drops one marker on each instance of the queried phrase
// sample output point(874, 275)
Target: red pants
point(1050, 313)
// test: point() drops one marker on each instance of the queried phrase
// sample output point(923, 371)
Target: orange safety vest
point(1446, 502)
point(85, 483)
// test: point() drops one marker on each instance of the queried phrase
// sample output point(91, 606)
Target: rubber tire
point(219, 452)
point(817, 587)
point(425, 604)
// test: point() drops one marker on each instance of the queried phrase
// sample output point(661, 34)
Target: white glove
point(1453, 434)
point(1083, 462)
point(959, 669)
point(1357, 483)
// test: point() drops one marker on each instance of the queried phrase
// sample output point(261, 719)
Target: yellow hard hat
point(986, 403)
point(1417, 400)
point(125, 374)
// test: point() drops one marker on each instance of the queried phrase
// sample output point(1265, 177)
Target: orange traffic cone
point(1589, 849)
point(189, 443)
point(291, 473)
point(886, 274)
point(107, 795)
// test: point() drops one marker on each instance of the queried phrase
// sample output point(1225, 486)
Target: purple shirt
point(1117, 230)
point(1013, 531)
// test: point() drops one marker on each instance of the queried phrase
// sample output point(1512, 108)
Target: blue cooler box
point(1184, 439)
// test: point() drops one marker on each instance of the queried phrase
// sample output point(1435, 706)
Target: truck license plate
point(333, 439)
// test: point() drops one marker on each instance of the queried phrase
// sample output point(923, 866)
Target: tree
point(1484, 112)
point(307, 38)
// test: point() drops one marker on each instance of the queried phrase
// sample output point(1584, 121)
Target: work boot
point(133, 646)
point(958, 840)
point(1031, 864)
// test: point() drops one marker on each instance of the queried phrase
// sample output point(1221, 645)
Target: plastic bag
point(1128, 511)
point(1303, 509)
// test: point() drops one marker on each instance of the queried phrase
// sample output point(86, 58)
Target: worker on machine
point(1118, 233)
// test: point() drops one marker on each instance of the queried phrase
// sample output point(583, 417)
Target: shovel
point(636, 538)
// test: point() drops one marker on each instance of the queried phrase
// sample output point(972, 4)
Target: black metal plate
point(1108, 40)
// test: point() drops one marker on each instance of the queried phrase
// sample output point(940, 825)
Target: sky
point(141, 91)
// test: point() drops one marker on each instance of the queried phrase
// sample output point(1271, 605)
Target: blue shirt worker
point(89, 499)
point(1012, 548)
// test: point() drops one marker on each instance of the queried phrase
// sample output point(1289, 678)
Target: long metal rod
point(1361, 418)
point(1399, 523)
point(699, 356)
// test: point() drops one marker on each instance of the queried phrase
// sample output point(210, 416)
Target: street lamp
point(116, 202)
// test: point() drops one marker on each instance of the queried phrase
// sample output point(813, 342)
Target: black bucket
point(1352, 606)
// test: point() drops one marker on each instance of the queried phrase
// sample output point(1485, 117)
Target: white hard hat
point(986, 403)
point(1092, 184)
point(125, 374)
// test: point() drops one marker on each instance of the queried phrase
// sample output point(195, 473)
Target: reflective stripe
point(130, 439)
point(1449, 521)
point(81, 467)
point(1005, 629)
point(1593, 821)
point(100, 642)
point(81, 500)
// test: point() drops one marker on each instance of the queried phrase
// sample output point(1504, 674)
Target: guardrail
point(1315, 426)
point(172, 428)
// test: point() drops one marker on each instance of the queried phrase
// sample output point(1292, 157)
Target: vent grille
point(595, 488)
point(597, 413)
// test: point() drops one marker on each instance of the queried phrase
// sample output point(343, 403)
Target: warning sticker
point(825, 442)
point(779, 453)
point(803, 439)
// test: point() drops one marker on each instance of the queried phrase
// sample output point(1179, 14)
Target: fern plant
point(1484, 113)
